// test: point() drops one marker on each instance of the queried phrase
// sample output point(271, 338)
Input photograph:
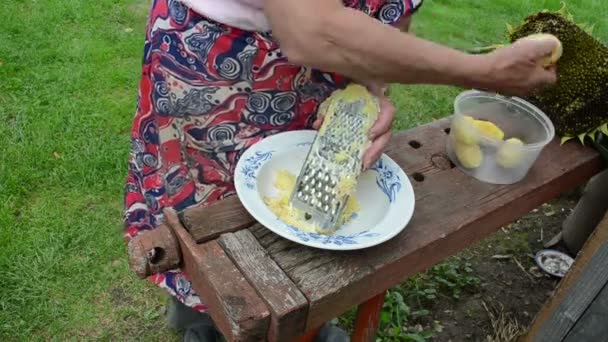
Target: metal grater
point(335, 157)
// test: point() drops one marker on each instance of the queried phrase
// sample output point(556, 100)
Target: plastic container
point(488, 155)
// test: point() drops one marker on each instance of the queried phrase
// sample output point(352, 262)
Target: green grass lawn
point(69, 71)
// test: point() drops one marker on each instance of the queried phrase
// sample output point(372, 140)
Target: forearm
point(353, 44)
point(404, 24)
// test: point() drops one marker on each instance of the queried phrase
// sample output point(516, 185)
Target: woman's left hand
point(380, 133)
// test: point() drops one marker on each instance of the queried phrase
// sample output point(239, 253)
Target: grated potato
point(284, 182)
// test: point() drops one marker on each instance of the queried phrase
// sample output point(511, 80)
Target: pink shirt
point(244, 14)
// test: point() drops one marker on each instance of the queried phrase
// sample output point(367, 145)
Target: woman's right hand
point(517, 70)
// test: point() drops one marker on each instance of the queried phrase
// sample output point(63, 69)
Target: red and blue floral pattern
point(208, 92)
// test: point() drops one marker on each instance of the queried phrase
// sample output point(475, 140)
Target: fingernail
point(364, 164)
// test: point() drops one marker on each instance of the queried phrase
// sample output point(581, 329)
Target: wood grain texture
point(453, 211)
point(596, 240)
point(205, 223)
point(234, 305)
point(288, 306)
point(153, 251)
point(593, 325)
point(578, 299)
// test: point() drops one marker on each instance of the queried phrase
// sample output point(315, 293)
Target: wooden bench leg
point(368, 317)
point(366, 323)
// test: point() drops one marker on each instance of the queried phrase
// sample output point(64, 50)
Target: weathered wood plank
point(288, 306)
point(452, 212)
point(598, 238)
point(593, 325)
point(205, 223)
point(154, 251)
point(234, 305)
point(578, 299)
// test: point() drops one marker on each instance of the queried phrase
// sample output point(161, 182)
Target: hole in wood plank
point(156, 255)
point(418, 177)
point(447, 130)
point(442, 162)
point(415, 144)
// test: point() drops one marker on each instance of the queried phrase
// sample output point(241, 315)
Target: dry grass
point(504, 326)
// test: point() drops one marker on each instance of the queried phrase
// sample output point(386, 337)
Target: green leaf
point(397, 296)
point(404, 308)
point(414, 337)
point(427, 334)
point(385, 317)
point(563, 10)
point(581, 137)
point(565, 139)
point(604, 129)
point(422, 312)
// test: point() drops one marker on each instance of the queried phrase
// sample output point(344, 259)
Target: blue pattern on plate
point(252, 164)
point(338, 240)
point(387, 179)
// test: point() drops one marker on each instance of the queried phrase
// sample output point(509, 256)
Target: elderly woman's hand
point(380, 133)
point(515, 70)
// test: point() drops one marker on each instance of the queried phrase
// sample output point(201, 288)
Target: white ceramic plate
point(385, 194)
point(554, 262)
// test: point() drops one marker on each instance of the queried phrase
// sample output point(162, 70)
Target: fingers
point(374, 152)
point(543, 77)
point(542, 47)
point(551, 72)
point(380, 132)
point(385, 118)
point(547, 77)
point(539, 46)
point(552, 68)
point(320, 114)
point(376, 88)
point(538, 80)
point(318, 122)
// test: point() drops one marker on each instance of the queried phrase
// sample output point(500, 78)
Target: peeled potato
point(467, 130)
point(489, 129)
point(555, 54)
point(470, 156)
point(464, 131)
point(510, 153)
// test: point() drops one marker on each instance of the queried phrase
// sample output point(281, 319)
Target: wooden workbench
point(260, 286)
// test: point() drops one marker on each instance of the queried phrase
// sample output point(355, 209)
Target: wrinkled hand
point(517, 70)
point(380, 133)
